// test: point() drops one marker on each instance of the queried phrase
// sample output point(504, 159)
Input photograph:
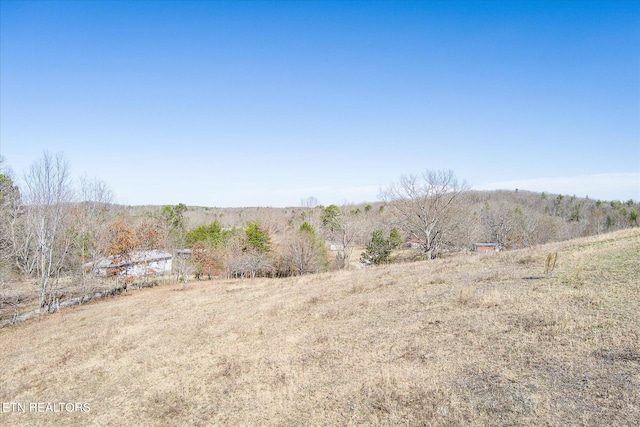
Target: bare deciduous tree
point(248, 263)
point(498, 223)
point(47, 200)
point(305, 251)
point(344, 227)
point(309, 202)
point(253, 262)
point(91, 218)
point(421, 206)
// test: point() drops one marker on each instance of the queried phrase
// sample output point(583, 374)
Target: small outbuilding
point(486, 247)
point(416, 243)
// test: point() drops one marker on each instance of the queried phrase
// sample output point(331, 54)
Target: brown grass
point(22, 296)
point(470, 340)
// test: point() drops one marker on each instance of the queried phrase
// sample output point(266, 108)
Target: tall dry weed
point(579, 276)
point(550, 263)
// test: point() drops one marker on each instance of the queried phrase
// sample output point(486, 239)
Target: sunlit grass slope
point(467, 340)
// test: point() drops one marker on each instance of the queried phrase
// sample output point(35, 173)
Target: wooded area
point(54, 232)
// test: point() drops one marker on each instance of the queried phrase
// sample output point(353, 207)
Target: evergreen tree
point(395, 239)
point(305, 227)
point(378, 250)
point(256, 238)
point(212, 235)
point(331, 217)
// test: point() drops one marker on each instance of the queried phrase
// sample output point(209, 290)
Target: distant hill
point(532, 217)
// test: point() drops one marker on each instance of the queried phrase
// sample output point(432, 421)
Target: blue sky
point(256, 103)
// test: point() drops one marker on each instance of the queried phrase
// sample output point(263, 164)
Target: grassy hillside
point(469, 340)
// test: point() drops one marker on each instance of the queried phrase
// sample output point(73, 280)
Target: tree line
point(53, 230)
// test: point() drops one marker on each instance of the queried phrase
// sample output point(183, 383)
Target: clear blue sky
point(260, 103)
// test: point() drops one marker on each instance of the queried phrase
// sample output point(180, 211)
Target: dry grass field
point(476, 339)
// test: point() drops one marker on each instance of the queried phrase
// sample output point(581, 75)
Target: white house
point(135, 264)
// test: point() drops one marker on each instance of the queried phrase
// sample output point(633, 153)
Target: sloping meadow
point(474, 339)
